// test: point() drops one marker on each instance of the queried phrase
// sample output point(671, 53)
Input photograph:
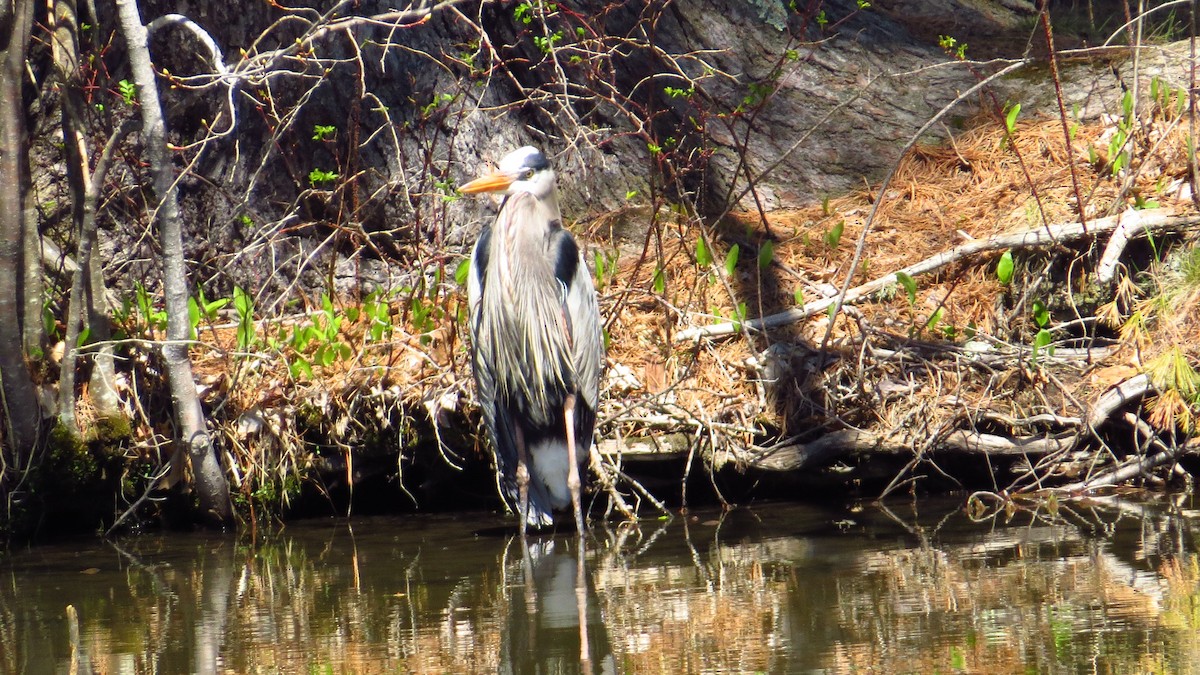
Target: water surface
point(1109, 587)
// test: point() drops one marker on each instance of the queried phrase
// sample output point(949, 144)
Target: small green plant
point(833, 236)
point(951, 46)
point(660, 280)
point(757, 93)
point(423, 314)
point(324, 132)
point(1118, 150)
point(449, 193)
point(321, 176)
point(329, 327)
point(766, 254)
point(436, 102)
point(731, 259)
point(605, 267)
point(1141, 202)
point(462, 272)
point(935, 319)
point(243, 305)
point(50, 321)
point(1004, 268)
point(153, 319)
point(545, 43)
point(675, 92)
point(201, 308)
point(1041, 317)
point(523, 13)
point(703, 255)
point(739, 315)
point(128, 92)
point(1010, 118)
point(246, 220)
point(909, 285)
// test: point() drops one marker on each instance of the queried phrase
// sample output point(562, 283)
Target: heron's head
point(522, 170)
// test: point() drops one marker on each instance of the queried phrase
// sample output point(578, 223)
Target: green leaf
point(300, 368)
point(324, 355)
point(766, 254)
point(799, 295)
point(834, 236)
point(1040, 341)
point(660, 281)
point(739, 315)
point(245, 335)
point(910, 286)
point(1041, 315)
point(935, 318)
point(731, 259)
point(128, 91)
point(193, 316)
point(211, 308)
point(1010, 119)
point(462, 272)
point(242, 303)
point(703, 255)
point(1004, 268)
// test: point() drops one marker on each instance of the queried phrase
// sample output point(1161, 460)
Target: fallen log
point(1148, 221)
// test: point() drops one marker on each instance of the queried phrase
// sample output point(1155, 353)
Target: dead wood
point(1149, 221)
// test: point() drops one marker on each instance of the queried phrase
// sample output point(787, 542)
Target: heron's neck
point(522, 242)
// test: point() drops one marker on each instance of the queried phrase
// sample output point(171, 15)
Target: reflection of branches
point(161, 587)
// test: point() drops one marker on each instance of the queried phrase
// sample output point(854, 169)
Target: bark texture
point(21, 410)
point(192, 433)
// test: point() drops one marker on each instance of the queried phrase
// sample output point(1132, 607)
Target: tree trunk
point(211, 485)
point(87, 299)
point(65, 51)
point(21, 408)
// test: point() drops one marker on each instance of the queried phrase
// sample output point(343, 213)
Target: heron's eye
point(527, 174)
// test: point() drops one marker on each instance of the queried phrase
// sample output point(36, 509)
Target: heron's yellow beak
point(493, 182)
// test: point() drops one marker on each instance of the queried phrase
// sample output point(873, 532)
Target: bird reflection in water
point(554, 624)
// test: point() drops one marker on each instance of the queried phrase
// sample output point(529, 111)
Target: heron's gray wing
point(482, 366)
point(587, 340)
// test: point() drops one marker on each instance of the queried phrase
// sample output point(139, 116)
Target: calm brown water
point(1107, 587)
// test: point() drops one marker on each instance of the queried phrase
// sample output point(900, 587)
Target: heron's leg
point(581, 604)
point(573, 482)
point(522, 479)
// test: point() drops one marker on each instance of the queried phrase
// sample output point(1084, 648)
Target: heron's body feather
point(536, 340)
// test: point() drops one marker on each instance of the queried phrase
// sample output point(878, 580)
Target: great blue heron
point(536, 341)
